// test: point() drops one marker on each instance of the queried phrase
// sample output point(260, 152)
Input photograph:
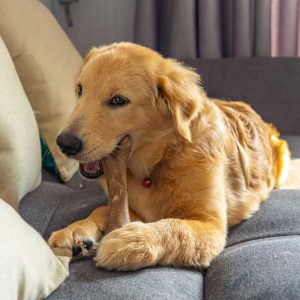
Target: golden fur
point(212, 162)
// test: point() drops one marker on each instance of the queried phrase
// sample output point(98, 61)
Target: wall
point(96, 22)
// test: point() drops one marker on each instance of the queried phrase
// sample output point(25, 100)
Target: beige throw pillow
point(293, 178)
point(29, 269)
point(20, 154)
point(47, 63)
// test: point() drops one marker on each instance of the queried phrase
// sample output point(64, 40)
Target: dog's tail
point(281, 158)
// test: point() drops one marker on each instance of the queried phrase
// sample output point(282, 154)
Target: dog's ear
point(180, 88)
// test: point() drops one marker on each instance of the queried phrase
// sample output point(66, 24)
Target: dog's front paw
point(81, 237)
point(134, 246)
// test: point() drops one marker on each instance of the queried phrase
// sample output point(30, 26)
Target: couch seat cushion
point(87, 282)
point(262, 257)
point(53, 206)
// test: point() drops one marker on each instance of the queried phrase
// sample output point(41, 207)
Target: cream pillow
point(293, 178)
point(29, 269)
point(20, 154)
point(47, 64)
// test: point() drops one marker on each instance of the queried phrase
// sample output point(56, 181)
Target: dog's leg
point(180, 243)
point(82, 236)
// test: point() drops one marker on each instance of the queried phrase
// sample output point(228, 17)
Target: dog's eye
point(79, 90)
point(118, 101)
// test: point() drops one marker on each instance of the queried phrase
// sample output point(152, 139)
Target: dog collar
point(147, 182)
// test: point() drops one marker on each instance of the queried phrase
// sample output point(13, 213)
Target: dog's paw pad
point(88, 244)
point(80, 237)
point(83, 248)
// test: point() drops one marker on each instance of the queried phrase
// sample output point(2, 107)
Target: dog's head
point(126, 89)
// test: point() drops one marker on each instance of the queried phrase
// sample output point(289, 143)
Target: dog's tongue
point(91, 167)
point(91, 170)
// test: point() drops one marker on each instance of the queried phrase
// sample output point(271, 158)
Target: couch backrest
point(270, 85)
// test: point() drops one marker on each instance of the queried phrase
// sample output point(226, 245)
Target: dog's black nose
point(69, 144)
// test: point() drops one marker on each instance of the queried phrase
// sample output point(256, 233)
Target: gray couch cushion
point(270, 85)
point(262, 255)
point(259, 269)
point(87, 282)
point(77, 182)
point(53, 206)
point(278, 216)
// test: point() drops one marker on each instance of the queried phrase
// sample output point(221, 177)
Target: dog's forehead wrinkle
point(117, 60)
point(113, 82)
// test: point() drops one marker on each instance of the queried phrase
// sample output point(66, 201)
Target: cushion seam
point(261, 238)
point(51, 218)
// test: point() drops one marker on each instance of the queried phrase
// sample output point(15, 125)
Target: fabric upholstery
point(262, 257)
point(260, 269)
point(88, 282)
point(20, 158)
point(53, 206)
point(269, 85)
point(47, 64)
point(29, 269)
point(76, 182)
point(277, 216)
point(293, 178)
point(265, 243)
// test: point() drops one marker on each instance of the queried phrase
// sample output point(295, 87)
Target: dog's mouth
point(92, 169)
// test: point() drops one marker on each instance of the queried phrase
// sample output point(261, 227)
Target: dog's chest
point(144, 201)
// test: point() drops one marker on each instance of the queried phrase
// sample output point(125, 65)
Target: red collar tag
point(147, 182)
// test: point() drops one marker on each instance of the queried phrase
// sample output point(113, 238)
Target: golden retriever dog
point(197, 165)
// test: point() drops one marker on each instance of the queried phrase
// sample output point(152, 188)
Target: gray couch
point(262, 256)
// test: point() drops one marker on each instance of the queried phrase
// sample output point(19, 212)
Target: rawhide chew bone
point(115, 171)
